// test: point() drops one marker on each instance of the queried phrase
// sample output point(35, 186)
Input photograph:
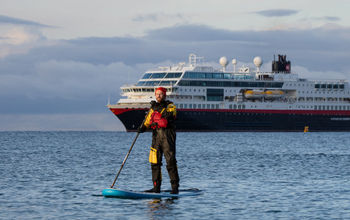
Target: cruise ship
point(246, 99)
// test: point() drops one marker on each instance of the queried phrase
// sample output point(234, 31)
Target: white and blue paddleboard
point(128, 194)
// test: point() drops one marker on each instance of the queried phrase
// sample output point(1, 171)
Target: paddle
point(127, 155)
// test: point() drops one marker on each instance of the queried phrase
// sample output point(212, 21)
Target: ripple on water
point(243, 175)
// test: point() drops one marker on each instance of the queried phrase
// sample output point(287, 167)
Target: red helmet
point(161, 89)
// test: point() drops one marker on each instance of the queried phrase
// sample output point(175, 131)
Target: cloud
point(62, 86)
point(277, 12)
point(18, 35)
point(331, 18)
point(19, 40)
point(154, 17)
point(147, 17)
point(17, 21)
point(76, 77)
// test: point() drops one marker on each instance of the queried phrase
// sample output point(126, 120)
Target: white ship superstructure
point(197, 89)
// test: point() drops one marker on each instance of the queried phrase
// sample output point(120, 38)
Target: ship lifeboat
point(273, 94)
point(254, 94)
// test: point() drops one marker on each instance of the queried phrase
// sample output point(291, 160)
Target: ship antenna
point(192, 59)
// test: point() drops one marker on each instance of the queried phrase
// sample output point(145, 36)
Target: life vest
point(157, 120)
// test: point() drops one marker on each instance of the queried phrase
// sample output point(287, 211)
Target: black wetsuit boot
point(174, 179)
point(156, 178)
point(156, 187)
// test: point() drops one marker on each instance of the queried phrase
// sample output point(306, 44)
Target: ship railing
point(329, 80)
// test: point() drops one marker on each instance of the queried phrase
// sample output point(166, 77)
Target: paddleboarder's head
point(160, 94)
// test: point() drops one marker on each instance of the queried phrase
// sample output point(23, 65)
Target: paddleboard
point(129, 194)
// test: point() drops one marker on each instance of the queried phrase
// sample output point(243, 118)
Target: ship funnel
point(282, 65)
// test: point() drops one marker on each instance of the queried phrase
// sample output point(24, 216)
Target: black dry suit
point(163, 142)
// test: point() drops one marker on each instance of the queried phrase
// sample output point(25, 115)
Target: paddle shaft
point(127, 155)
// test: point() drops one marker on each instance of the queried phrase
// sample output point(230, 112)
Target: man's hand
point(154, 125)
point(153, 103)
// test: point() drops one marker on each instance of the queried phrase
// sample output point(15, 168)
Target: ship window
point(141, 83)
point(252, 84)
point(230, 106)
point(323, 86)
point(217, 106)
point(234, 106)
point(341, 86)
point(195, 75)
point(173, 75)
point(167, 83)
point(212, 106)
point(146, 76)
point(335, 107)
point(185, 106)
point(329, 86)
point(157, 75)
point(208, 75)
point(218, 75)
point(190, 105)
point(230, 84)
point(215, 94)
point(181, 106)
point(243, 106)
point(227, 76)
point(208, 106)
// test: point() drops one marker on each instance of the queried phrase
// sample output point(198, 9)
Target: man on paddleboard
point(161, 119)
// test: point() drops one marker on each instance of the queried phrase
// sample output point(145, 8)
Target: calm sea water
point(60, 175)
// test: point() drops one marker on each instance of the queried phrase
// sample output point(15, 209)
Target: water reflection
point(160, 207)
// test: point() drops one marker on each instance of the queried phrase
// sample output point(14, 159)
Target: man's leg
point(169, 151)
point(156, 167)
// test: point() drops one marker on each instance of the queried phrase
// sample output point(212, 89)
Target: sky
point(61, 61)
